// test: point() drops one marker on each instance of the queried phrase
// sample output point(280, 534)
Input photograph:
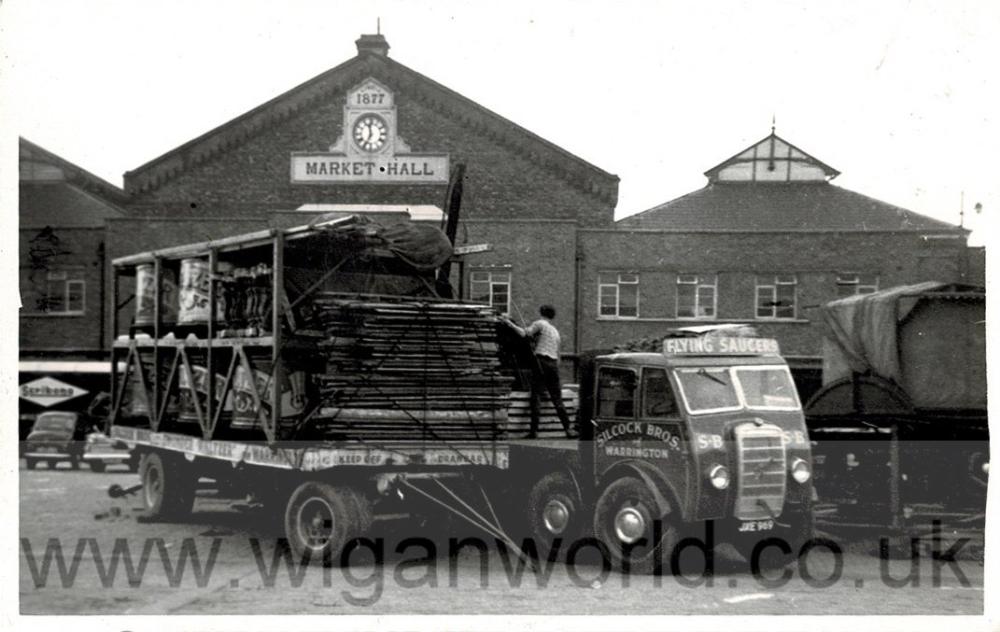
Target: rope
point(464, 402)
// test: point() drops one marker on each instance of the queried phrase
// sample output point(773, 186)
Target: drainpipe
point(578, 308)
point(102, 258)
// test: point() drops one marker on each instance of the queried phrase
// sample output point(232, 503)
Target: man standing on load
point(545, 342)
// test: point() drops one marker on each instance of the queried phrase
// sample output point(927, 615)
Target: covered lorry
point(900, 424)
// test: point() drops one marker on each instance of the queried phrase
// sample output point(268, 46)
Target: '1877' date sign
point(369, 149)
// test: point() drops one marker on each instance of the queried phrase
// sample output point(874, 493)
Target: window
point(63, 294)
point(851, 284)
point(776, 296)
point(708, 390)
point(616, 393)
point(618, 295)
point(696, 296)
point(491, 287)
point(657, 400)
point(767, 388)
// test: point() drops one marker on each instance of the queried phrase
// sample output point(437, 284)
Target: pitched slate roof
point(64, 205)
point(29, 151)
point(774, 185)
point(341, 78)
point(749, 206)
point(75, 199)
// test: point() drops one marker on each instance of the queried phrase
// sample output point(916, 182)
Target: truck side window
point(616, 392)
point(657, 398)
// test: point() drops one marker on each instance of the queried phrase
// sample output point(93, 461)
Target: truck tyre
point(628, 524)
point(168, 486)
point(97, 466)
point(31, 463)
point(74, 462)
point(321, 519)
point(554, 508)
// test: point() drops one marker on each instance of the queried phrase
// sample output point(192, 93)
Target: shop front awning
point(66, 366)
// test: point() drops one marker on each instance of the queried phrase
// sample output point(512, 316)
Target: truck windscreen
point(767, 388)
point(708, 390)
point(722, 389)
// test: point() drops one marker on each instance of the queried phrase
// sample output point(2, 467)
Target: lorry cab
point(709, 429)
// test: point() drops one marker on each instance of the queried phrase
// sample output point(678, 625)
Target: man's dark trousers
point(546, 378)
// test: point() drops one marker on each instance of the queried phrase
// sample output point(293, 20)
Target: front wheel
point(98, 466)
point(628, 523)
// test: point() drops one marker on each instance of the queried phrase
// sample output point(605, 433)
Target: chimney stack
point(373, 44)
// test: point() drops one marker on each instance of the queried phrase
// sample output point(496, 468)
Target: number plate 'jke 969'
point(756, 525)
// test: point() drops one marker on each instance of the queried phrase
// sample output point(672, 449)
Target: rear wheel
point(167, 487)
point(554, 513)
point(627, 522)
point(320, 520)
point(97, 466)
point(31, 463)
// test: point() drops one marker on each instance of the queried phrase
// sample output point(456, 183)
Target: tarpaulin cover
point(423, 246)
point(934, 348)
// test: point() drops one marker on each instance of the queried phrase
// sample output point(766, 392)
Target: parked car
point(55, 436)
point(59, 436)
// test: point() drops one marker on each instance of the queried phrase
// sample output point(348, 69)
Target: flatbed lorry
point(708, 430)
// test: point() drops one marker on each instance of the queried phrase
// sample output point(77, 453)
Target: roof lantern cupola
point(373, 44)
point(771, 160)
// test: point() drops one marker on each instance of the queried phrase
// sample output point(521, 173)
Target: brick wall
point(976, 274)
point(736, 259)
point(77, 251)
point(542, 260)
point(251, 178)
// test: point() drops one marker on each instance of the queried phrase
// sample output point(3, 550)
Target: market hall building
point(767, 240)
point(372, 136)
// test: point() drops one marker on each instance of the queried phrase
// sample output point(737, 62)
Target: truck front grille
point(760, 491)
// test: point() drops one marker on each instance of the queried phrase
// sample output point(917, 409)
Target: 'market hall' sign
point(370, 149)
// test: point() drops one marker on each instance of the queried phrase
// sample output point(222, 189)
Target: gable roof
point(30, 152)
point(811, 206)
point(63, 205)
point(576, 171)
point(771, 159)
point(55, 192)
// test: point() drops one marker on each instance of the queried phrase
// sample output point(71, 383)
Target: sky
point(899, 96)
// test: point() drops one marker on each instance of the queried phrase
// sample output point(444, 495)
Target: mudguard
point(663, 492)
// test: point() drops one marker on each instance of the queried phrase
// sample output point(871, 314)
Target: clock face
point(371, 132)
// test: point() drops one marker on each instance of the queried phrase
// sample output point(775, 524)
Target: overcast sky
point(901, 97)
